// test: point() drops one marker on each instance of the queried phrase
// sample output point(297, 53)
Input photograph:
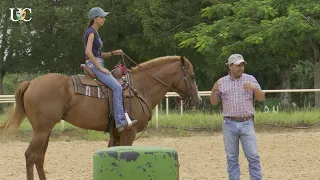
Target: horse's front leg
point(127, 137)
point(114, 139)
point(111, 142)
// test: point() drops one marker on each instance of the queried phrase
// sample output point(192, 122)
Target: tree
point(272, 36)
point(311, 12)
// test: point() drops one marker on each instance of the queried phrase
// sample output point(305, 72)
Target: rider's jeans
point(112, 83)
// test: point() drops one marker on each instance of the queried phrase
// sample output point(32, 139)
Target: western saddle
point(118, 72)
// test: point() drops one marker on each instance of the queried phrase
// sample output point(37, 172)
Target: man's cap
point(97, 11)
point(236, 59)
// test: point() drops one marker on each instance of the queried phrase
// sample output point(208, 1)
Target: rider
point(93, 55)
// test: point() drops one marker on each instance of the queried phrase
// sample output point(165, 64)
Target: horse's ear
point(182, 59)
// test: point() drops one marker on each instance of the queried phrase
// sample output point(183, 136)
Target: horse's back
point(52, 78)
point(52, 84)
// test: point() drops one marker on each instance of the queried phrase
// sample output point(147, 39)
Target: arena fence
point(11, 99)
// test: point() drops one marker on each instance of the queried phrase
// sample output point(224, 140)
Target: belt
point(239, 119)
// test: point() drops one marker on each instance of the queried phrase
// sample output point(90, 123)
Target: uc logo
point(19, 14)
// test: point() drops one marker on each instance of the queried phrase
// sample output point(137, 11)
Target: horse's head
point(185, 83)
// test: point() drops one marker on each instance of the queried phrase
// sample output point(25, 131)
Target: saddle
point(91, 79)
point(119, 73)
point(89, 85)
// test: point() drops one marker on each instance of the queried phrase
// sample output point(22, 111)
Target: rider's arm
point(107, 54)
point(89, 51)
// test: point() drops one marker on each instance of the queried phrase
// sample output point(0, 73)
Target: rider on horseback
point(93, 55)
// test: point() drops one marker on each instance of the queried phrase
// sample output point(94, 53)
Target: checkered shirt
point(236, 101)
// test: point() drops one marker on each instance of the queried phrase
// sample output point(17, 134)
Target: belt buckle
point(239, 119)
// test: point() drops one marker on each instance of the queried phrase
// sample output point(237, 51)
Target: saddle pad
point(89, 81)
point(87, 89)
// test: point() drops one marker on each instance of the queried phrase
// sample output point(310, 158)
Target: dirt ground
point(284, 156)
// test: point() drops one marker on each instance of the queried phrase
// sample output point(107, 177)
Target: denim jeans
point(243, 131)
point(112, 83)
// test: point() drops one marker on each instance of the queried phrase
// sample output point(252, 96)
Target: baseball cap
point(236, 59)
point(97, 11)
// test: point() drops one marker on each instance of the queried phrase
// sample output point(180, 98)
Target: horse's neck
point(152, 89)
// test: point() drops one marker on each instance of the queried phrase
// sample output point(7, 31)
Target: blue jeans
point(243, 131)
point(112, 83)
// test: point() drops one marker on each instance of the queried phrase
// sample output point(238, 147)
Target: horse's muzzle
point(192, 102)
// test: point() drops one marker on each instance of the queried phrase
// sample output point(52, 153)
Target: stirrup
point(128, 126)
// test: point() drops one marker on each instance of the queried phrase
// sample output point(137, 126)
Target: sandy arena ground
point(284, 156)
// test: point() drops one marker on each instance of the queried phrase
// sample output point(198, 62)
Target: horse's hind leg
point(40, 160)
point(38, 143)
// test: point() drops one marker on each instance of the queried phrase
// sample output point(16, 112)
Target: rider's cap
point(97, 11)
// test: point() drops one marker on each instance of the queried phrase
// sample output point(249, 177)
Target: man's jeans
point(232, 132)
point(112, 83)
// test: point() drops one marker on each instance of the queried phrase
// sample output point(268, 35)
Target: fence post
point(167, 105)
point(181, 107)
point(157, 116)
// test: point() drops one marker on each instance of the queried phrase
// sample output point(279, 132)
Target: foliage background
point(278, 38)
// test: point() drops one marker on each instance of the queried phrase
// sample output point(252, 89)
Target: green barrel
point(136, 163)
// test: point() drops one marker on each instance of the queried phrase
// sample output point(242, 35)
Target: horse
point(50, 98)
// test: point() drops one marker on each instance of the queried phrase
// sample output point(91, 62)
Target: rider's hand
point(117, 52)
point(105, 71)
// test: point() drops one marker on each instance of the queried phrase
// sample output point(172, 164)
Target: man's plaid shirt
point(236, 101)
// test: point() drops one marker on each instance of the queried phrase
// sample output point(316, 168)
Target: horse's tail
point(16, 114)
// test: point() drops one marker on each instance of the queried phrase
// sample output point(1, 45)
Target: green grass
point(177, 125)
point(69, 133)
point(289, 119)
point(188, 121)
point(214, 121)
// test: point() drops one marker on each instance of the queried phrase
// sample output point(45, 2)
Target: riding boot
point(130, 123)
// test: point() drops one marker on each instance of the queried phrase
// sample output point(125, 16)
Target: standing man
point(236, 91)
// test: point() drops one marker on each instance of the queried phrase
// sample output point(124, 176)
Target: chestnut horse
point(51, 97)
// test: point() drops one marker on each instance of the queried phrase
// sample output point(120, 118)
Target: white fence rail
point(11, 99)
point(208, 93)
point(7, 99)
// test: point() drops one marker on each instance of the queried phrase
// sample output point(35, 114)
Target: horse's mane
point(157, 62)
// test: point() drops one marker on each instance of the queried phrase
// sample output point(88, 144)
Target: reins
point(185, 77)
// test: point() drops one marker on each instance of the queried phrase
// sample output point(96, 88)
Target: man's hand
point(214, 98)
point(249, 86)
point(216, 86)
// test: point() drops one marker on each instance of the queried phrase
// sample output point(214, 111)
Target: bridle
point(187, 97)
point(189, 88)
